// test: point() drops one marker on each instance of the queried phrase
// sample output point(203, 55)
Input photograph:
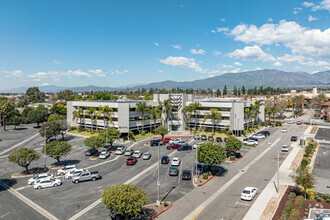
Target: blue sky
point(117, 43)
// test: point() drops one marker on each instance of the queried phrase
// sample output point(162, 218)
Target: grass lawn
point(86, 133)
point(222, 135)
point(139, 136)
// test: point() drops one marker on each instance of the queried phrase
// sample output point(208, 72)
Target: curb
point(173, 136)
point(209, 179)
point(239, 158)
point(162, 212)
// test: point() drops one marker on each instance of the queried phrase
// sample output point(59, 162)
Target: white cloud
point(199, 51)
point(258, 68)
point(227, 66)
point(98, 72)
point(325, 4)
point(156, 44)
point(216, 52)
point(14, 73)
point(237, 70)
point(238, 64)
point(178, 47)
point(300, 40)
point(296, 10)
point(270, 20)
point(219, 29)
point(223, 19)
point(251, 53)
point(44, 84)
point(119, 72)
point(308, 4)
point(183, 62)
point(302, 60)
point(57, 62)
point(56, 75)
point(311, 18)
point(277, 64)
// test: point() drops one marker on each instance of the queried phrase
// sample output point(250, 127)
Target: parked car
point(137, 154)
point(182, 143)
point(250, 142)
point(249, 193)
point(146, 156)
point(104, 154)
point(218, 139)
point(129, 152)
point(156, 142)
point(173, 146)
point(47, 182)
point(85, 176)
point(196, 137)
point(200, 169)
point(259, 136)
point(174, 141)
point(175, 161)
point(195, 146)
point(299, 122)
point(91, 152)
point(203, 137)
point(131, 161)
point(210, 138)
point(165, 160)
point(39, 177)
point(285, 148)
point(69, 175)
point(173, 171)
point(66, 169)
point(254, 139)
point(120, 150)
point(186, 175)
point(291, 121)
point(284, 130)
point(184, 148)
point(166, 140)
point(266, 133)
point(294, 138)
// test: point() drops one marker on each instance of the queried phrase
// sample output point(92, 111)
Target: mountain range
point(268, 77)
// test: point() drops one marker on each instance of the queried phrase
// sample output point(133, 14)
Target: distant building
point(293, 93)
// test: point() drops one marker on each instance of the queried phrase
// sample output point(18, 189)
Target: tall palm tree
point(193, 108)
point(105, 111)
point(167, 110)
point(154, 113)
point(214, 115)
point(256, 110)
point(274, 110)
point(319, 100)
point(268, 111)
point(142, 107)
point(78, 114)
point(91, 113)
point(248, 115)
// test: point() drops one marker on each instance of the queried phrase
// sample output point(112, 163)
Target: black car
point(211, 138)
point(203, 137)
point(218, 139)
point(156, 142)
point(266, 133)
point(91, 151)
point(294, 138)
point(186, 175)
point(184, 148)
point(165, 160)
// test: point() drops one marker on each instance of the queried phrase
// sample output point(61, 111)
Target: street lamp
point(196, 151)
point(45, 129)
point(278, 169)
point(158, 181)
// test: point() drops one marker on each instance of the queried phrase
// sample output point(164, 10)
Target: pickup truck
point(85, 176)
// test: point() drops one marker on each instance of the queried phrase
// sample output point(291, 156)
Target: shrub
point(278, 123)
point(319, 198)
point(298, 204)
point(328, 200)
point(310, 194)
point(73, 128)
point(326, 196)
point(288, 206)
point(209, 173)
point(246, 132)
point(232, 158)
point(229, 132)
point(205, 176)
point(92, 132)
point(304, 162)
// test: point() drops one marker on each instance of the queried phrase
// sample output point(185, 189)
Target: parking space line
point(5, 215)
point(155, 172)
point(240, 203)
point(148, 162)
point(23, 187)
point(123, 165)
point(5, 151)
point(135, 164)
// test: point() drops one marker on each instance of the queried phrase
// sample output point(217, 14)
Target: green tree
point(55, 117)
point(154, 113)
point(23, 157)
point(34, 95)
point(235, 91)
point(225, 91)
point(38, 115)
point(125, 199)
point(233, 144)
point(113, 134)
point(243, 90)
point(57, 149)
point(25, 114)
point(162, 131)
point(95, 142)
point(66, 95)
point(142, 107)
point(49, 130)
point(211, 153)
point(15, 120)
point(248, 115)
point(193, 108)
point(78, 114)
point(58, 108)
point(167, 110)
point(304, 178)
point(105, 112)
point(214, 115)
point(91, 113)
point(5, 108)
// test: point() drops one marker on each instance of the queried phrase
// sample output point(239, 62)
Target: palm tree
point(154, 113)
point(78, 114)
point(91, 113)
point(248, 115)
point(214, 115)
point(167, 110)
point(105, 111)
point(319, 100)
point(268, 111)
point(142, 107)
point(255, 110)
point(274, 110)
point(193, 108)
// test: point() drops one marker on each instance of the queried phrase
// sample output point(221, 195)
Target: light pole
point(158, 182)
point(278, 168)
point(45, 133)
point(196, 151)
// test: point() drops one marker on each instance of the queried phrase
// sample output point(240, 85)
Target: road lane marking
point(91, 206)
point(240, 203)
point(197, 214)
point(23, 187)
point(290, 127)
point(228, 184)
point(28, 202)
point(123, 165)
point(5, 151)
point(5, 215)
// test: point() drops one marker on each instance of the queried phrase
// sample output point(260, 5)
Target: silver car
point(129, 152)
point(104, 154)
point(120, 150)
point(146, 156)
point(285, 148)
point(137, 154)
point(39, 177)
point(48, 182)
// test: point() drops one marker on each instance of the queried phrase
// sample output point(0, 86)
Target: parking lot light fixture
point(45, 133)
point(158, 182)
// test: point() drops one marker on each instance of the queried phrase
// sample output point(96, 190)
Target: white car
point(285, 148)
point(104, 154)
point(259, 136)
point(120, 150)
point(129, 152)
point(39, 177)
point(146, 156)
point(48, 182)
point(137, 154)
point(249, 193)
point(250, 142)
point(284, 130)
point(183, 143)
point(175, 161)
point(74, 172)
point(196, 146)
point(174, 141)
point(291, 122)
point(66, 169)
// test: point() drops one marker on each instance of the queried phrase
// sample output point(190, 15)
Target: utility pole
point(158, 182)
point(45, 133)
point(278, 169)
point(196, 151)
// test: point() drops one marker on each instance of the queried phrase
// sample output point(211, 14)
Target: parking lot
point(322, 169)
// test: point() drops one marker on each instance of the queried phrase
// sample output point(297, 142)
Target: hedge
point(288, 207)
point(298, 205)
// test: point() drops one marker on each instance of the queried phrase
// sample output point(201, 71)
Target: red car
point(173, 146)
point(166, 140)
point(131, 161)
